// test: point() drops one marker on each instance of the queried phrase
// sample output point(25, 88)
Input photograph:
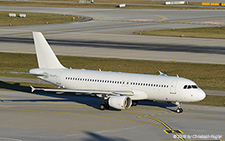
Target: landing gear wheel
point(179, 110)
point(102, 107)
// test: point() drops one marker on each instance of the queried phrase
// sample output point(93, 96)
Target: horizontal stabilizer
point(27, 73)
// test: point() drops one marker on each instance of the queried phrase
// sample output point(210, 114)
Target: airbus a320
point(118, 90)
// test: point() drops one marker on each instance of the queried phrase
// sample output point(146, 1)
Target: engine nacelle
point(120, 102)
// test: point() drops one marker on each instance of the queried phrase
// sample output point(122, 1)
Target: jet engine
point(120, 102)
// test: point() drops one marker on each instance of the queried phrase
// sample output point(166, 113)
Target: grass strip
point(207, 76)
point(212, 100)
point(203, 32)
point(34, 18)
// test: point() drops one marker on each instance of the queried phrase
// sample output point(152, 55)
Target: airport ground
point(44, 116)
point(111, 29)
point(41, 116)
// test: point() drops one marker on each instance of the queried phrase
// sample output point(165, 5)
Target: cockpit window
point(190, 87)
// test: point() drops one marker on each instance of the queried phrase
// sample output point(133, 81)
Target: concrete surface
point(39, 116)
point(107, 35)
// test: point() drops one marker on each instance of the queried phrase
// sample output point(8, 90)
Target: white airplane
point(119, 90)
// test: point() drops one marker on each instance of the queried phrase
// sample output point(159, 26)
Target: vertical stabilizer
point(45, 56)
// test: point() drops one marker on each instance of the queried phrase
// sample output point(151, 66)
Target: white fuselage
point(149, 87)
point(117, 89)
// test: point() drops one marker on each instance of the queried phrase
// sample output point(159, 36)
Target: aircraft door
point(173, 87)
point(58, 79)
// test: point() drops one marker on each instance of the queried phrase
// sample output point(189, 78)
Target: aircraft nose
point(201, 95)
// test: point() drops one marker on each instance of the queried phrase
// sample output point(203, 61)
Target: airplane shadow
point(163, 105)
point(91, 101)
point(98, 137)
point(52, 96)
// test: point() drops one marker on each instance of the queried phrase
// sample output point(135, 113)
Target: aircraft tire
point(179, 110)
point(102, 107)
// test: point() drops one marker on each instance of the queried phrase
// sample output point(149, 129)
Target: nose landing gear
point(179, 109)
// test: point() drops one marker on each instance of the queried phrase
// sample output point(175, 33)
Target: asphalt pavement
point(46, 116)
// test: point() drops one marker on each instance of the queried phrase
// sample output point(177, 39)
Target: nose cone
point(201, 95)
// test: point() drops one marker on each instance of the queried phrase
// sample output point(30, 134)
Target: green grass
point(203, 32)
point(207, 76)
point(212, 100)
point(34, 18)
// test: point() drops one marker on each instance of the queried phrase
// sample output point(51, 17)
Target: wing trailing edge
point(86, 91)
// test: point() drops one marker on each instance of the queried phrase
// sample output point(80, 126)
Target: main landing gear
point(104, 105)
point(179, 109)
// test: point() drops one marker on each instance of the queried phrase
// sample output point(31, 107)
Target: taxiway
point(39, 116)
point(109, 34)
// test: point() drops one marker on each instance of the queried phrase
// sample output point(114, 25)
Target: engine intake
point(120, 102)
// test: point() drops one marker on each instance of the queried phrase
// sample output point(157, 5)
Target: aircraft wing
point(87, 91)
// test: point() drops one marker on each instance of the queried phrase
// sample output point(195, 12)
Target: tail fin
point(45, 56)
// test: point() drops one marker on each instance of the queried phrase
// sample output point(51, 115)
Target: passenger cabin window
point(128, 83)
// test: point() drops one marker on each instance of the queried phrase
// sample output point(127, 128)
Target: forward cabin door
point(173, 87)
